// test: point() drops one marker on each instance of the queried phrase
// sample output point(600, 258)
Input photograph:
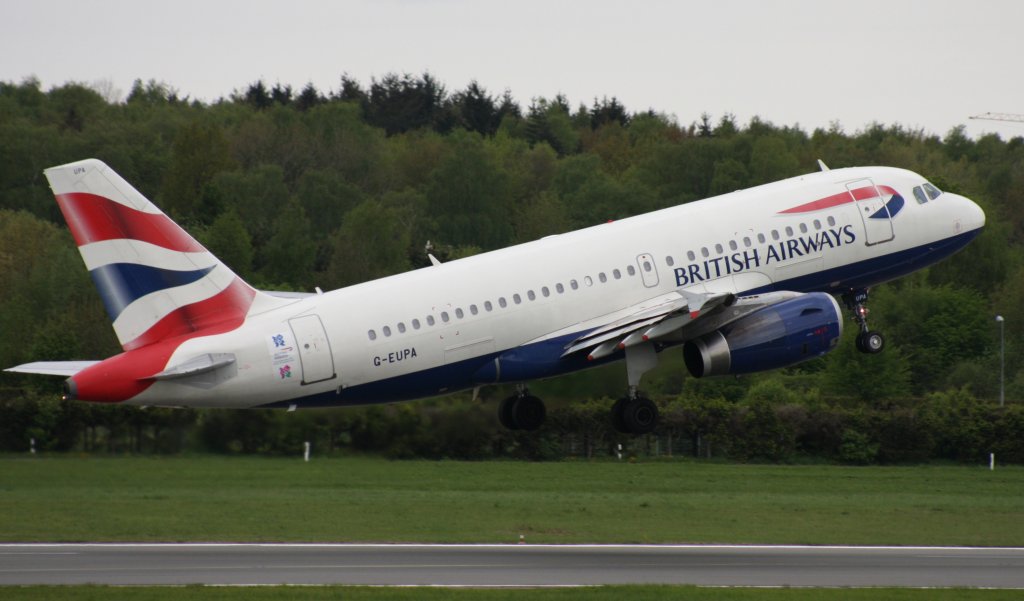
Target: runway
point(510, 565)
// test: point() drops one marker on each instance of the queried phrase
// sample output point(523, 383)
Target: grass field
point(605, 593)
point(215, 498)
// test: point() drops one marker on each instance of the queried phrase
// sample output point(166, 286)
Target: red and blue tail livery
point(739, 283)
point(156, 281)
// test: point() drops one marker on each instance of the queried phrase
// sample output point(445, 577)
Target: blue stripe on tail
point(121, 284)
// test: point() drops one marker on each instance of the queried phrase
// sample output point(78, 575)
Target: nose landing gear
point(868, 341)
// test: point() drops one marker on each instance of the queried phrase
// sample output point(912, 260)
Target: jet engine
point(789, 332)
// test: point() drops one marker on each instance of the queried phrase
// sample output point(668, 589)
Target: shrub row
point(943, 426)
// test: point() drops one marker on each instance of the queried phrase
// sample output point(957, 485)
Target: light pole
point(1002, 358)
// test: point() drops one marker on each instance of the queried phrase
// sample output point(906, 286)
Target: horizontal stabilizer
point(195, 366)
point(288, 294)
point(52, 368)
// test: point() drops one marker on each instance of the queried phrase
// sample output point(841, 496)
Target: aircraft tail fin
point(156, 281)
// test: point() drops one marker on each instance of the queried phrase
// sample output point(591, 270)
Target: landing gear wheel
point(618, 419)
point(522, 413)
point(639, 416)
point(870, 342)
point(506, 415)
point(529, 413)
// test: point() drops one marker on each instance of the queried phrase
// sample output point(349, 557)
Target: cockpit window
point(932, 191)
point(919, 195)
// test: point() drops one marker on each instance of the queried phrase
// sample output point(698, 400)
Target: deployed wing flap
point(651, 319)
point(52, 368)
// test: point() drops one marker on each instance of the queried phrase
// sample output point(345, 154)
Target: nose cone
point(969, 216)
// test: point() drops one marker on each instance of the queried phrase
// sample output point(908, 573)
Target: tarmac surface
point(510, 565)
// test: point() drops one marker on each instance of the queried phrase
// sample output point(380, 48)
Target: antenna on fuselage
point(822, 164)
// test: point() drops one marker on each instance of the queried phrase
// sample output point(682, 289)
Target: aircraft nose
point(970, 217)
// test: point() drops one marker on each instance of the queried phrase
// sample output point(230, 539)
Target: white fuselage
point(428, 331)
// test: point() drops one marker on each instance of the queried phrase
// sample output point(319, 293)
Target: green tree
point(198, 154)
point(367, 246)
point(472, 192)
point(290, 253)
point(229, 240)
point(877, 379)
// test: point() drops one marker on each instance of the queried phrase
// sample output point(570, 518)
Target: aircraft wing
point(675, 316)
point(52, 368)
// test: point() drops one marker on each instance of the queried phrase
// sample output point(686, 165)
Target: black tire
point(640, 415)
point(873, 342)
point(618, 421)
point(506, 413)
point(870, 342)
point(528, 413)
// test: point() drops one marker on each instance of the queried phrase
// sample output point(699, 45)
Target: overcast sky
point(922, 64)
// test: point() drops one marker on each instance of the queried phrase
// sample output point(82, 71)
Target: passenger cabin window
point(803, 228)
point(372, 335)
point(573, 284)
point(616, 274)
point(488, 306)
point(733, 245)
point(670, 261)
point(746, 241)
point(775, 234)
point(932, 191)
point(631, 270)
point(704, 252)
point(473, 309)
point(831, 220)
point(589, 281)
point(789, 232)
point(530, 295)
point(647, 267)
point(415, 324)
point(690, 255)
point(459, 313)
point(559, 288)
point(817, 224)
point(501, 302)
point(401, 327)
point(761, 238)
point(516, 298)
point(544, 290)
point(430, 320)
point(386, 330)
point(719, 249)
point(444, 316)
point(601, 276)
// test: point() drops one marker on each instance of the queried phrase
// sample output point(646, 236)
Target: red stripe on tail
point(220, 313)
point(94, 218)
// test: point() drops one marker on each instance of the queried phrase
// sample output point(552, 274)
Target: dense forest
point(296, 189)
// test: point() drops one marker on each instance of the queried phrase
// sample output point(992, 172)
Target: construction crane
point(1000, 117)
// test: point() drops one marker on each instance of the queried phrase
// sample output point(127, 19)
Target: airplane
point(742, 282)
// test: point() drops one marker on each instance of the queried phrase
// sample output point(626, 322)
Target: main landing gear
point(635, 414)
point(632, 414)
point(522, 411)
point(868, 341)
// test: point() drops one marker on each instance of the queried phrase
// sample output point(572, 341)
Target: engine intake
point(789, 332)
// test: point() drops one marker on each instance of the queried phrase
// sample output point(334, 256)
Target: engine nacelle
point(789, 332)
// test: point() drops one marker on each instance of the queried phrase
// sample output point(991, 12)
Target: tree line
point(301, 189)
